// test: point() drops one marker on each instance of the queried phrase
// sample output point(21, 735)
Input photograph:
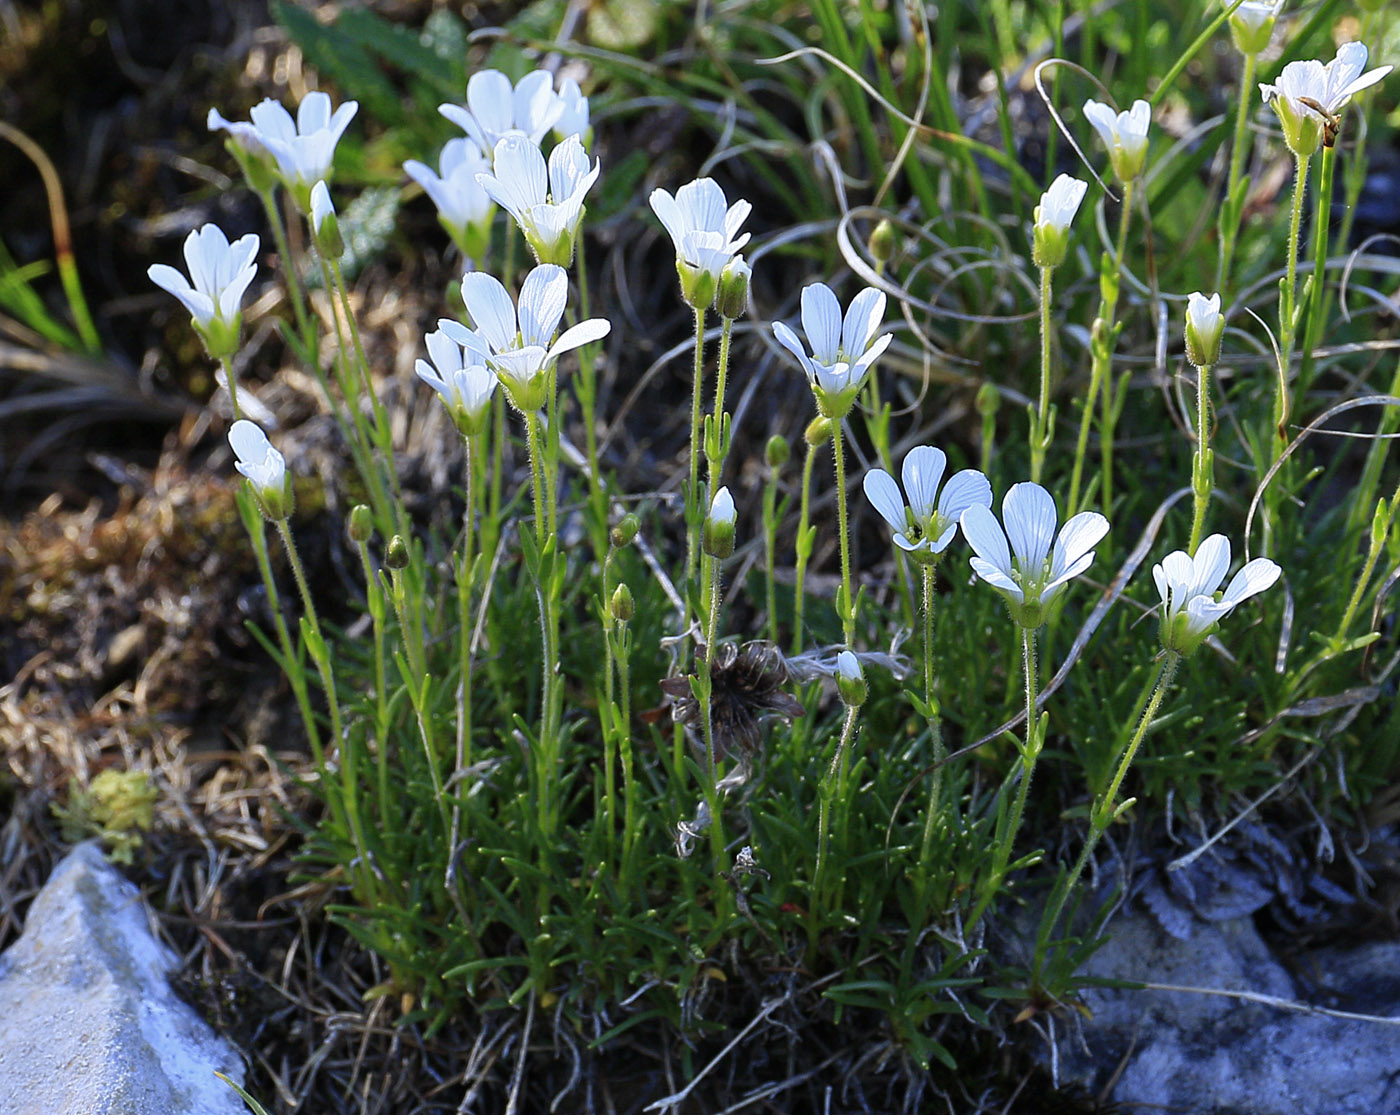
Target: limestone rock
point(88, 1023)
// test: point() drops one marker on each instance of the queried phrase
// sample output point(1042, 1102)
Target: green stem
point(804, 549)
point(464, 635)
point(1380, 529)
point(1322, 211)
point(935, 729)
point(1288, 294)
point(832, 788)
point(846, 605)
point(289, 270)
point(692, 491)
point(227, 366)
point(1202, 474)
point(1239, 147)
point(1040, 426)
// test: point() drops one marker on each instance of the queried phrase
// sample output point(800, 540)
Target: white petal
point(703, 205)
point(491, 310)
point(669, 212)
point(821, 321)
point(1255, 577)
point(1079, 536)
point(445, 353)
point(1209, 566)
point(1053, 587)
point(542, 299)
point(429, 375)
point(1028, 511)
point(491, 101)
point(249, 443)
point(922, 472)
point(738, 213)
point(985, 536)
point(1104, 120)
point(200, 306)
point(314, 113)
point(968, 488)
point(863, 319)
point(872, 354)
point(996, 578)
point(273, 121)
point(790, 341)
point(883, 494)
point(519, 177)
point(585, 332)
point(535, 105)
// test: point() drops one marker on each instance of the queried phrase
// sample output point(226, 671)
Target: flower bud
point(850, 680)
point(882, 242)
point(325, 228)
point(625, 530)
point(1058, 205)
point(622, 605)
point(818, 432)
point(1252, 26)
point(396, 556)
point(732, 299)
point(718, 540)
point(776, 452)
point(988, 400)
point(263, 467)
point(361, 525)
point(1204, 325)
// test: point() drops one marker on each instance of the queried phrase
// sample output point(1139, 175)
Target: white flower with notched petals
point(1309, 95)
point(546, 202)
point(573, 115)
point(464, 207)
point(1190, 610)
point(458, 373)
point(496, 109)
point(1029, 574)
point(842, 350)
point(1053, 215)
point(518, 344)
point(1124, 134)
point(305, 147)
point(263, 466)
point(925, 526)
point(705, 231)
point(219, 275)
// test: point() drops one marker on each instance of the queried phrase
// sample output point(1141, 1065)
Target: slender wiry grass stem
point(289, 269)
point(692, 491)
point(1381, 521)
point(1008, 824)
point(1040, 427)
point(1102, 344)
point(1103, 813)
point(1287, 313)
point(227, 366)
point(1203, 469)
point(1239, 148)
point(805, 534)
point(846, 606)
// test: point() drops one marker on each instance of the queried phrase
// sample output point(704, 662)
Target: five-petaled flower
point(303, 148)
point(1309, 96)
point(263, 466)
point(1124, 134)
point(219, 274)
point(705, 232)
point(464, 207)
point(495, 109)
point(842, 350)
point(1190, 610)
point(546, 202)
point(1058, 205)
point(926, 525)
point(458, 373)
point(517, 345)
point(1028, 574)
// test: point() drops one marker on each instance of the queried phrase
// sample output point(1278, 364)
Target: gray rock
point(88, 1023)
point(1213, 1055)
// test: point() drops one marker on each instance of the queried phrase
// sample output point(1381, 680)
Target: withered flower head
point(748, 683)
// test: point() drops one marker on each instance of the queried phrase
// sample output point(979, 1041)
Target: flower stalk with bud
point(1049, 246)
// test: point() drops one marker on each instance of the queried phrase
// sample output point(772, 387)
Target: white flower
point(842, 351)
point(573, 115)
point(926, 525)
point(264, 467)
point(1204, 326)
point(1124, 134)
point(850, 679)
point(722, 511)
point(458, 373)
point(547, 203)
point(304, 148)
point(1187, 587)
point(325, 228)
point(219, 274)
point(495, 109)
point(705, 231)
point(464, 207)
point(518, 346)
point(1328, 88)
point(1252, 24)
point(243, 133)
point(1029, 574)
point(1053, 215)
